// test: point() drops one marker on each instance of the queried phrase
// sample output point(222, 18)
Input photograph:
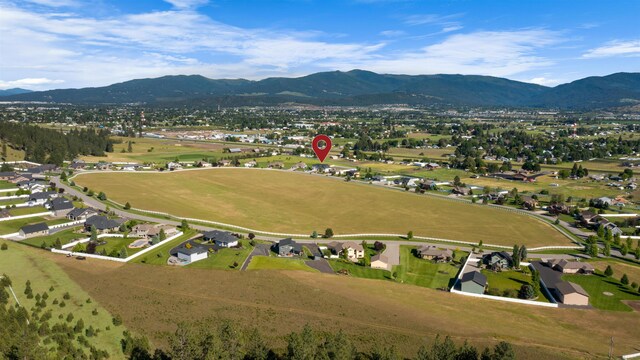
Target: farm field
point(44, 274)
point(276, 263)
point(289, 202)
point(596, 285)
point(371, 312)
point(416, 271)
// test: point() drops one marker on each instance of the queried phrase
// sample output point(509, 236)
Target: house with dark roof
point(571, 294)
point(29, 231)
point(288, 247)
point(190, 255)
point(60, 206)
point(498, 260)
point(81, 214)
point(103, 224)
point(473, 282)
point(221, 238)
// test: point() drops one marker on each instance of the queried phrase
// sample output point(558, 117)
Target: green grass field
point(7, 185)
point(116, 243)
point(289, 202)
point(416, 271)
point(225, 258)
point(65, 236)
point(22, 263)
point(360, 271)
point(27, 210)
point(276, 263)
point(160, 255)
point(12, 226)
point(596, 285)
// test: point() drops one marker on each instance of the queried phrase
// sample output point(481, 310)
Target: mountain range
point(14, 91)
point(357, 88)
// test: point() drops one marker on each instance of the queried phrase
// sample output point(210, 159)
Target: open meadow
point(372, 312)
point(289, 202)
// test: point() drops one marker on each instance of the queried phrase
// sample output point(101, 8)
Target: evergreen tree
point(624, 279)
point(608, 271)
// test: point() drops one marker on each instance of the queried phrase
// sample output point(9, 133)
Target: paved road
point(260, 249)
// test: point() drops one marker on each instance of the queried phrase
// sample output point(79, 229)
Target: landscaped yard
point(506, 280)
point(416, 271)
point(225, 258)
point(277, 263)
point(360, 271)
point(65, 236)
point(160, 255)
point(596, 285)
point(12, 226)
point(7, 185)
point(27, 210)
point(290, 201)
point(115, 244)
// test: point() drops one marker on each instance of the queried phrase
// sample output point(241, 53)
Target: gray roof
point(80, 211)
point(103, 223)
point(566, 288)
point(193, 250)
point(60, 204)
point(222, 236)
point(45, 195)
point(30, 229)
point(380, 257)
point(476, 277)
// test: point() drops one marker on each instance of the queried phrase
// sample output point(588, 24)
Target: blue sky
point(49, 44)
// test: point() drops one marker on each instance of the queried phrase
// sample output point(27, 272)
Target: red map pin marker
point(321, 153)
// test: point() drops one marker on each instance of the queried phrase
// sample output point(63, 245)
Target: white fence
point(71, 223)
point(81, 241)
point(109, 258)
point(630, 356)
point(9, 190)
point(48, 213)
point(618, 215)
point(498, 298)
point(9, 235)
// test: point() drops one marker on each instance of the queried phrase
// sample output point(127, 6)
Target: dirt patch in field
point(152, 299)
point(634, 304)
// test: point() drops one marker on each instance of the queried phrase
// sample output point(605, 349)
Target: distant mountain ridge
point(356, 87)
point(14, 91)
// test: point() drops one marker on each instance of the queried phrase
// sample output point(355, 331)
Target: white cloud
point(544, 81)
point(451, 28)
point(187, 4)
point(424, 19)
point(29, 83)
point(496, 53)
point(392, 33)
point(54, 3)
point(615, 48)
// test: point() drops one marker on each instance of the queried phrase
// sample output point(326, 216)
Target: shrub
point(66, 296)
point(117, 320)
point(62, 304)
point(4, 246)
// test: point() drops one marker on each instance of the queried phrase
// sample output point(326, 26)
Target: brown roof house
point(433, 253)
point(379, 261)
point(572, 267)
point(571, 294)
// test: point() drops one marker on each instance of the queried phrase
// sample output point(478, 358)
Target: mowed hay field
point(153, 299)
point(291, 202)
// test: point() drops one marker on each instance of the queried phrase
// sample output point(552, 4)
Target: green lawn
point(277, 263)
point(7, 185)
point(12, 226)
point(597, 284)
point(5, 203)
point(65, 236)
point(160, 255)
point(22, 263)
point(27, 210)
point(416, 271)
point(507, 279)
point(360, 271)
point(117, 243)
point(225, 258)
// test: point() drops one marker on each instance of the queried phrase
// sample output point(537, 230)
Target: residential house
point(555, 209)
point(192, 254)
point(60, 206)
point(571, 294)
point(103, 165)
point(204, 164)
point(529, 203)
point(250, 164)
point(103, 224)
point(224, 162)
point(460, 190)
point(42, 169)
point(433, 253)
point(174, 166)
point(29, 231)
point(81, 214)
point(276, 165)
point(77, 164)
point(7, 175)
point(221, 238)
point(354, 251)
point(473, 282)
point(588, 218)
point(300, 165)
point(41, 198)
point(498, 260)
point(603, 202)
point(321, 168)
point(571, 267)
point(380, 261)
point(288, 247)
point(152, 230)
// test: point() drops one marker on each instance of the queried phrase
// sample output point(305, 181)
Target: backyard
point(416, 271)
point(606, 293)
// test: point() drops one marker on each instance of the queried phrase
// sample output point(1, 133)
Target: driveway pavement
point(321, 265)
point(392, 252)
point(260, 249)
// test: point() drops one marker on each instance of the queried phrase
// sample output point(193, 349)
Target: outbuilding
point(473, 282)
point(39, 229)
point(193, 254)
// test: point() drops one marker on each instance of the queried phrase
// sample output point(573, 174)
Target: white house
point(192, 255)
